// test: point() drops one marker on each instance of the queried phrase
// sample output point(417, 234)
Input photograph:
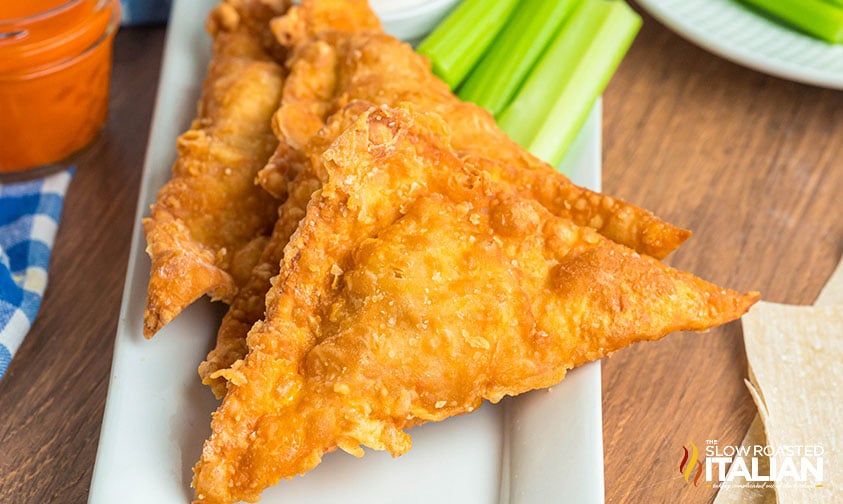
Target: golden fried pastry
point(331, 68)
point(209, 222)
point(416, 287)
point(312, 17)
point(249, 303)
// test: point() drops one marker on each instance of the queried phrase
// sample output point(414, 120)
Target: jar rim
point(58, 64)
point(52, 11)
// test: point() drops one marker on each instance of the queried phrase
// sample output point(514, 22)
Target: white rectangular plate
point(544, 446)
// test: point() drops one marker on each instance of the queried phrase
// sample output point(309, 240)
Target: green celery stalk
point(822, 19)
point(456, 45)
point(554, 102)
point(496, 79)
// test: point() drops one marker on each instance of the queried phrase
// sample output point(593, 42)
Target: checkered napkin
point(29, 217)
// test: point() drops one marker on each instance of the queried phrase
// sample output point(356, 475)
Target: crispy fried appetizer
point(312, 17)
point(289, 173)
point(250, 301)
point(210, 221)
point(332, 65)
point(415, 287)
point(332, 68)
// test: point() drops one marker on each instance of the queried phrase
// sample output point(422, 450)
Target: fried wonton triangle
point(314, 16)
point(414, 288)
point(335, 66)
point(210, 222)
point(249, 303)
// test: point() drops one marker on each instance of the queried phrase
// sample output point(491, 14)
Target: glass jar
point(55, 67)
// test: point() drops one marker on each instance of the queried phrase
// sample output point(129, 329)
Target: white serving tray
point(545, 446)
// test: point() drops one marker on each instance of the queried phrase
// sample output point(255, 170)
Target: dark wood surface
point(751, 163)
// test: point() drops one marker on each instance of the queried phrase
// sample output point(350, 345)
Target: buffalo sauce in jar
point(55, 66)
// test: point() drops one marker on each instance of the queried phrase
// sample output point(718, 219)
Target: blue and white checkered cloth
point(29, 218)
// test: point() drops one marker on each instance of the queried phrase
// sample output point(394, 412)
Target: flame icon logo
point(690, 461)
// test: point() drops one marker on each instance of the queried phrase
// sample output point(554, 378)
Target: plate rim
point(743, 56)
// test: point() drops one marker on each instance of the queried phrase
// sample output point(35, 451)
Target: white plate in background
point(731, 30)
point(540, 447)
point(412, 20)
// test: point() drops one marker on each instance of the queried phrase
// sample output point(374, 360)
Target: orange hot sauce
point(55, 66)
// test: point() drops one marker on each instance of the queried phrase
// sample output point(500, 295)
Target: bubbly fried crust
point(330, 69)
point(249, 303)
point(376, 67)
point(211, 217)
point(287, 173)
point(312, 17)
point(415, 287)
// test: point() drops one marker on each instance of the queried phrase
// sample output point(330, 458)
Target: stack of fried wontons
point(388, 255)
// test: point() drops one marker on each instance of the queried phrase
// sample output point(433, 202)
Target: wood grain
point(750, 163)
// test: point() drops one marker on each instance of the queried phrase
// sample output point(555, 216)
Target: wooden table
point(751, 163)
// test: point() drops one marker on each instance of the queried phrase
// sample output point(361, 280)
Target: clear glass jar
point(55, 68)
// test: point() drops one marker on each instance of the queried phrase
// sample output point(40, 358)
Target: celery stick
point(554, 102)
point(496, 79)
point(460, 40)
point(822, 19)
